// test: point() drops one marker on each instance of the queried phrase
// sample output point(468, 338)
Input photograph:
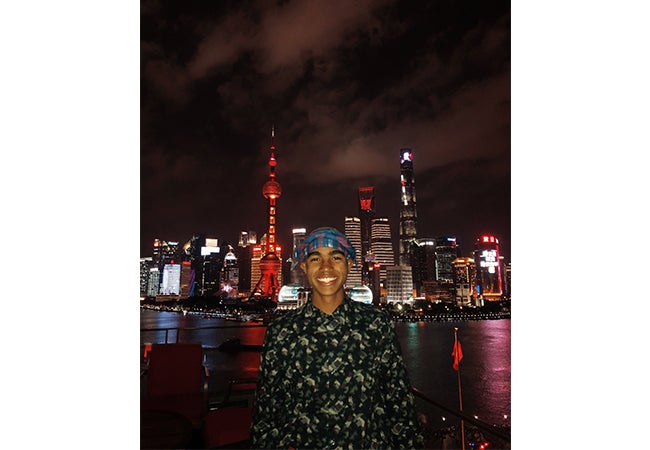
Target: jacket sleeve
point(263, 431)
point(402, 420)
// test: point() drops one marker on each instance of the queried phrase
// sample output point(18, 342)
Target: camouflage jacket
point(334, 381)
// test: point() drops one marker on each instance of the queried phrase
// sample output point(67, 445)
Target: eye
point(337, 257)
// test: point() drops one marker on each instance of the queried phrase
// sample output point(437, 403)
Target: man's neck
point(327, 304)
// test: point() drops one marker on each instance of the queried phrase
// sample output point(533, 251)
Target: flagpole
point(460, 392)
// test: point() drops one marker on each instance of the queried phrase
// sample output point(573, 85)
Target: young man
point(331, 373)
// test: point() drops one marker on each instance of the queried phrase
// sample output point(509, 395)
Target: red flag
point(457, 353)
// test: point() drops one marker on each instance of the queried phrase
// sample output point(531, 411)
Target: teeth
point(327, 279)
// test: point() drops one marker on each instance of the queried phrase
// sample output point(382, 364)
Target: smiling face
point(327, 270)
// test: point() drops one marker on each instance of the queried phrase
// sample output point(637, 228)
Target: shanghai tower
point(408, 216)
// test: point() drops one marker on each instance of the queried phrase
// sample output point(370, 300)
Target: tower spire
point(270, 264)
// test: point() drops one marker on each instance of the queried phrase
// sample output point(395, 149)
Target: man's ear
point(303, 266)
point(350, 264)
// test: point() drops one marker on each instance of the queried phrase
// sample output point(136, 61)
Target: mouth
point(326, 280)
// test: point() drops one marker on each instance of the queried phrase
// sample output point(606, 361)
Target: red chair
point(227, 426)
point(176, 381)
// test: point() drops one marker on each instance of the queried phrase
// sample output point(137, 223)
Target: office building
point(408, 216)
point(165, 252)
point(171, 280)
point(352, 229)
point(366, 214)
point(399, 284)
point(465, 281)
point(229, 284)
point(247, 238)
point(297, 275)
point(446, 252)
point(153, 285)
point(244, 253)
point(423, 259)
point(186, 280)
point(488, 268)
point(382, 245)
point(146, 264)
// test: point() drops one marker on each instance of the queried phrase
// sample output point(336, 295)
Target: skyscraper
point(382, 245)
point(464, 280)
point(446, 253)
point(366, 214)
point(244, 253)
point(423, 262)
point(164, 252)
point(352, 229)
point(153, 286)
point(146, 264)
point(229, 284)
point(271, 263)
point(408, 216)
point(399, 284)
point(298, 276)
point(488, 268)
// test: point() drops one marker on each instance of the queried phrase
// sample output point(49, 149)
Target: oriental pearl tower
point(270, 263)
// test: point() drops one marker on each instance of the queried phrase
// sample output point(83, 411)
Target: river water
point(426, 347)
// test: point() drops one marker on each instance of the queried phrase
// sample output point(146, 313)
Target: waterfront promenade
point(426, 346)
point(243, 313)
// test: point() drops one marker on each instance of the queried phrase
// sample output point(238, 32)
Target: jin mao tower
point(408, 217)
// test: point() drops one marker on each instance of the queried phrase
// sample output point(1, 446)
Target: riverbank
point(251, 312)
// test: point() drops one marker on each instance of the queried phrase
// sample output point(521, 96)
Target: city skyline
point(345, 87)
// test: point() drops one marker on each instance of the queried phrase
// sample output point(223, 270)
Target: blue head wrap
point(325, 237)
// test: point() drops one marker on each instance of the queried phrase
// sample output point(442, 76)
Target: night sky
point(121, 124)
point(346, 85)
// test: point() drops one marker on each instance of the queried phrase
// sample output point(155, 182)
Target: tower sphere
point(271, 189)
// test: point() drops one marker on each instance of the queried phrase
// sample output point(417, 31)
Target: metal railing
point(177, 329)
point(483, 426)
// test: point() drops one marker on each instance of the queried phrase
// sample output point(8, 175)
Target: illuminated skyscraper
point(366, 214)
point(229, 284)
point(146, 264)
point(399, 284)
point(247, 240)
point(153, 286)
point(464, 280)
point(423, 262)
point(488, 268)
point(298, 276)
point(271, 263)
point(353, 232)
point(446, 253)
point(186, 281)
point(382, 245)
point(164, 252)
point(171, 280)
point(256, 253)
point(408, 216)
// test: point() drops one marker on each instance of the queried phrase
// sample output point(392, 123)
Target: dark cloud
point(346, 85)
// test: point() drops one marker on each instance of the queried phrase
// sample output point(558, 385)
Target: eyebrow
point(332, 252)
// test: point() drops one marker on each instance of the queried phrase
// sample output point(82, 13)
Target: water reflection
point(426, 347)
